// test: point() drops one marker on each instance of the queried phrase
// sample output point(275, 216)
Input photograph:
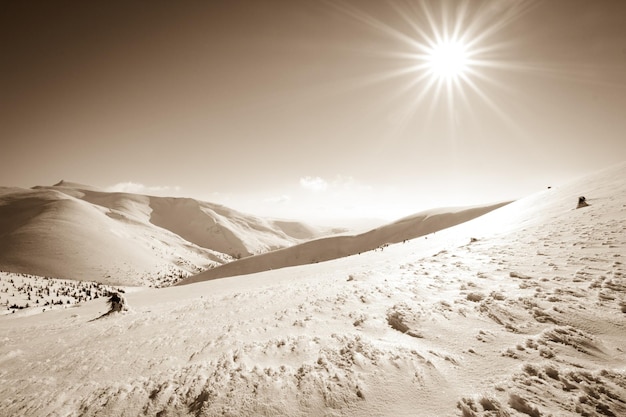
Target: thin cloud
point(315, 184)
point(281, 199)
point(348, 183)
point(340, 183)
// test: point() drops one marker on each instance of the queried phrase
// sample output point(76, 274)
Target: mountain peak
point(75, 185)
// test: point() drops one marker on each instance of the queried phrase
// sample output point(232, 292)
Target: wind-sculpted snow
point(516, 313)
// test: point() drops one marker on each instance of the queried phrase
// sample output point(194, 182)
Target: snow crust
point(520, 312)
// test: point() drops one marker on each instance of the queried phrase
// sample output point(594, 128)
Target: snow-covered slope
point(334, 247)
point(74, 231)
point(520, 312)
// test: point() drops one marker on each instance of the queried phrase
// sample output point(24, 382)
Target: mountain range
point(76, 231)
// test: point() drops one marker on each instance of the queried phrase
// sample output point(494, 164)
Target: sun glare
point(448, 59)
point(446, 53)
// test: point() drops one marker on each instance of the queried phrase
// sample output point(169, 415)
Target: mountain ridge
point(333, 247)
point(150, 240)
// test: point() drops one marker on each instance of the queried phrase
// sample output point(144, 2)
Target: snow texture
point(520, 312)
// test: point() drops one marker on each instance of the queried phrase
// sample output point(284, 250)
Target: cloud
point(348, 183)
point(315, 184)
point(137, 188)
point(281, 199)
point(340, 183)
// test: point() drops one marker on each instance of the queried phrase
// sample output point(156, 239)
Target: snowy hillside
point(31, 294)
point(73, 231)
point(334, 247)
point(520, 312)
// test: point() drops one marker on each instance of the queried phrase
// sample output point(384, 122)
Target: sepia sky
point(312, 109)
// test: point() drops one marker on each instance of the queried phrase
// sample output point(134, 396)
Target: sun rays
point(445, 55)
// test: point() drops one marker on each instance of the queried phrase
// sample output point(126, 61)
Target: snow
point(519, 312)
point(128, 239)
point(36, 294)
point(339, 246)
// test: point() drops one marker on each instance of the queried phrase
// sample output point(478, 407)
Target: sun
point(448, 60)
point(446, 54)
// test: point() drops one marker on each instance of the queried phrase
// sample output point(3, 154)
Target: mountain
point(334, 247)
point(73, 231)
point(519, 312)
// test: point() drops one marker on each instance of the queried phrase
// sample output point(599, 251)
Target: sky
point(318, 110)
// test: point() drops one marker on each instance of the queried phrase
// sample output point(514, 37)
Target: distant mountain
point(74, 231)
point(334, 247)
